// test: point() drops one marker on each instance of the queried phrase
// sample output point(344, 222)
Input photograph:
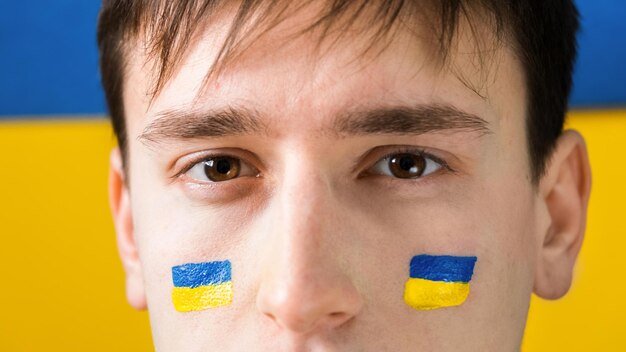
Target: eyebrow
point(180, 124)
point(232, 121)
point(403, 120)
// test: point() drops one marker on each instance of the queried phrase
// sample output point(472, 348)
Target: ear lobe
point(119, 201)
point(565, 190)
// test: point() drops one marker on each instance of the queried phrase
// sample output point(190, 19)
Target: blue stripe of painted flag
point(442, 268)
point(201, 274)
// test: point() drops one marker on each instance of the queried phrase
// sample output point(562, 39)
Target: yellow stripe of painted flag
point(426, 294)
point(187, 299)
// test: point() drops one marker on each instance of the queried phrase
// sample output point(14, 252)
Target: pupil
point(222, 166)
point(407, 163)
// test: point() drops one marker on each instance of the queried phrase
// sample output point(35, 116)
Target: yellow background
point(62, 286)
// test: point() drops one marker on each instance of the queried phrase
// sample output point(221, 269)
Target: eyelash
point(417, 151)
point(202, 158)
point(406, 150)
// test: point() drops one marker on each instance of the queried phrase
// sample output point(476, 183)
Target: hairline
point(502, 37)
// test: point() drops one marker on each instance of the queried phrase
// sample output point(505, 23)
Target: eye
point(220, 168)
point(406, 165)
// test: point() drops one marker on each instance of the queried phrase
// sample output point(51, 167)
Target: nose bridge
point(306, 199)
point(304, 215)
point(303, 284)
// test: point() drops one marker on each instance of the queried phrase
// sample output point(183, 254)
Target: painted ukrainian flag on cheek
point(438, 281)
point(199, 286)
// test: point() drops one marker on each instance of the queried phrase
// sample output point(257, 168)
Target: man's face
point(349, 166)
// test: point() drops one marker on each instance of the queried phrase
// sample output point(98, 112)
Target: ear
point(565, 190)
point(119, 201)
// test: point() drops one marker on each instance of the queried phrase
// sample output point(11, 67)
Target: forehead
point(286, 76)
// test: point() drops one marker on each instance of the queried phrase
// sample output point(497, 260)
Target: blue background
point(49, 58)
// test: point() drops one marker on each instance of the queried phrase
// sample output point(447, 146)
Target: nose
point(305, 285)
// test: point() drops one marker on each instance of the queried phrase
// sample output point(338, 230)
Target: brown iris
point(407, 165)
point(222, 168)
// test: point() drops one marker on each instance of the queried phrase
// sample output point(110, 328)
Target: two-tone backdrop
point(61, 282)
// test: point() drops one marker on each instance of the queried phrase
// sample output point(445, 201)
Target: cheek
point(173, 233)
point(508, 247)
point(493, 222)
point(509, 218)
point(394, 236)
point(170, 230)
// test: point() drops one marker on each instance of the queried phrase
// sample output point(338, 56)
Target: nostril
point(270, 315)
point(338, 318)
point(304, 300)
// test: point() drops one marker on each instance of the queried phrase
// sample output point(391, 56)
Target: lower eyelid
point(429, 160)
point(183, 164)
point(249, 170)
point(217, 192)
point(246, 170)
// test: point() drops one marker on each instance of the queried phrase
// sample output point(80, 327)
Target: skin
point(320, 243)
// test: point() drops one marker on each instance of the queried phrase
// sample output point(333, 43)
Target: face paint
point(199, 286)
point(438, 281)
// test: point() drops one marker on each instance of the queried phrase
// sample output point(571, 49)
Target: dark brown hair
point(542, 33)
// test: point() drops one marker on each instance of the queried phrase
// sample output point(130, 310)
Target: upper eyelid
point(370, 159)
point(423, 153)
point(442, 164)
point(253, 161)
point(203, 156)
